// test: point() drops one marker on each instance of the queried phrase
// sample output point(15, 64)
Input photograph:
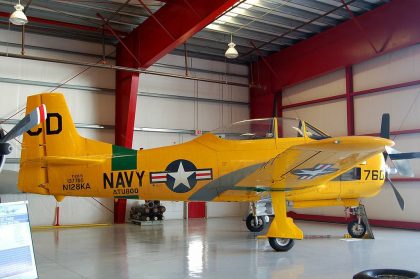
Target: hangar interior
point(338, 64)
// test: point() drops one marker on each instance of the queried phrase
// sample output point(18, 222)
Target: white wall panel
point(167, 85)
point(239, 113)
point(324, 86)
point(73, 210)
point(209, 90)
point(217, 209)
point(392, 68)
point(164, 113)
point(209, 116)
point(329, 117)
point(402, 104)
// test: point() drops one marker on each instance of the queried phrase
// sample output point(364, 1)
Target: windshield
point(289, 128)
point(314, 133)
point(247, 130)
point(264, 129)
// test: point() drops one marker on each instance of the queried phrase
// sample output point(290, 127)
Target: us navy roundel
point(181, 176)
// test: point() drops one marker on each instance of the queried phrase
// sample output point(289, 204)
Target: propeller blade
point(385, 130)
point(397, 194)
point(405, 156)
point(385, 126)
point(31, 120)
point(403, 166)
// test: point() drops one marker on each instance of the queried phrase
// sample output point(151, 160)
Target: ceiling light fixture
point(231, 52)
point(18, 17)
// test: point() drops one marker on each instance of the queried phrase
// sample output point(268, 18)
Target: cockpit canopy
point(266, 128)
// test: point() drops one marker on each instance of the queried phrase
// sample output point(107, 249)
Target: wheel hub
point(357, 228)
point(256, 225)
point(282, 241)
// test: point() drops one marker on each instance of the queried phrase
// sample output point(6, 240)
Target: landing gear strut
point(358, 228)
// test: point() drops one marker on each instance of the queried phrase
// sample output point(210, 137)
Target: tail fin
point(57, 137)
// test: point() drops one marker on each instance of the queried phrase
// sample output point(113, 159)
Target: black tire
point(386, 273)
point(252, 227)
point(356, 230)
point(281, 244)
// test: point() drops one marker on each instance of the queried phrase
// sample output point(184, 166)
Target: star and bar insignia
point(181, 176)
point(311, 173)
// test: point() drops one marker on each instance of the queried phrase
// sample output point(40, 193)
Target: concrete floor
point(216, 248)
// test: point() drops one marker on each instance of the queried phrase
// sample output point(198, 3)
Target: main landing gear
point(282, 231)
point(359, 227)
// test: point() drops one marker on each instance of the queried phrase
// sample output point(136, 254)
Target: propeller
point(396, 193)
point(31, 120)
point(400, 160)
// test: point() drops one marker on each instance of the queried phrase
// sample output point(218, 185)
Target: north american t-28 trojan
point(288, 160)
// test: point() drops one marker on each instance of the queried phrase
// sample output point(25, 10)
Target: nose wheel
point(356, 229)
point(359, 227)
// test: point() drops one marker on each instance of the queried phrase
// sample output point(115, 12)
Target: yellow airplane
point(286, 159)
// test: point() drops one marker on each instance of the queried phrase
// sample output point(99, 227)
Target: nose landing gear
point(359, 227)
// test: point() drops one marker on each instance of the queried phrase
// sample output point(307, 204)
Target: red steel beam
point(180, 21)
point(391, 26)
point(356, 21)
point(156, 20)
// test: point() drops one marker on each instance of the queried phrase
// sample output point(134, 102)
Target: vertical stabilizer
point(57, 136)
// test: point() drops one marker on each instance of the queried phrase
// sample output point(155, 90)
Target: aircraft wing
point(313, 163)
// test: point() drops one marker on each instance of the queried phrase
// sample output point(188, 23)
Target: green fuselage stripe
point(123, 158)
